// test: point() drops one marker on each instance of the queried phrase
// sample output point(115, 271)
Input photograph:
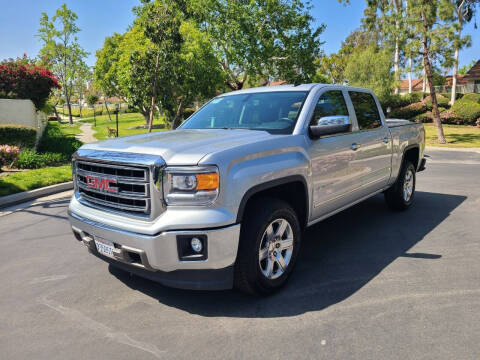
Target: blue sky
point(19, 21)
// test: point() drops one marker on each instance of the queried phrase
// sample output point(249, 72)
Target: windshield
point(275, 112)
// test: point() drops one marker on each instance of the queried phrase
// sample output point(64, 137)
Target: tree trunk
point(176, 119)
point(433, 95)
point(410, 76)
point(234, 85)
point(396, 66)
point(455, 61)
point(454, 78)
point(154, 94)
point(396, 60)
point(146, 116)
point(69, 107)
point(108, 111)
point(424, 79)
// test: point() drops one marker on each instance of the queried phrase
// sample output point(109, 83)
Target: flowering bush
point(22, 80)
point(8, 154)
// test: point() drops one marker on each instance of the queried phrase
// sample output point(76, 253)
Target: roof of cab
point(302, 87)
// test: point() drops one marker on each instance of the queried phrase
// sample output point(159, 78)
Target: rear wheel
point(400, 196)
point(269, 243)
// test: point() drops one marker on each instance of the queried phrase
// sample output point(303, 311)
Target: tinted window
point(275, 112)
point(366, 110)
point(331, 103)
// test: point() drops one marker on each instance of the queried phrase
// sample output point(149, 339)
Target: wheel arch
point(286, 189)
point(412, 153)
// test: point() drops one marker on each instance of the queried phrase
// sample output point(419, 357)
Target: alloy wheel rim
point(276, 249)
point(408, 185)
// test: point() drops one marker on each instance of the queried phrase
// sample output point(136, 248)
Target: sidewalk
point(87, 134)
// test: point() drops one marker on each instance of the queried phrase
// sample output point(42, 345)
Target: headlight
point(190, 185)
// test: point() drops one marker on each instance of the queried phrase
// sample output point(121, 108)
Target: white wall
point(22, 112)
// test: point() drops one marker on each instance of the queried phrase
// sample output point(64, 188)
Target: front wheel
point(400, 195)
point(269, 245)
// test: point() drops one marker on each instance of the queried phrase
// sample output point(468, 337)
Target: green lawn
point(456, 135)
point(125, 121)
point(34, 179)
point(68, 129)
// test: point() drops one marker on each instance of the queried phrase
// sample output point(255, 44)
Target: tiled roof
point(417, 84)
point(474, 72)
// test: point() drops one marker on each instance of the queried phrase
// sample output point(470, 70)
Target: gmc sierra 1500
point(222, 201)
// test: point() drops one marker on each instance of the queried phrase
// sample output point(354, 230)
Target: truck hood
point(182, 146)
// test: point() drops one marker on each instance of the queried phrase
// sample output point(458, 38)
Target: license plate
point(104, 247)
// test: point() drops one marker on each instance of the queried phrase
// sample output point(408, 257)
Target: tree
point(465, 68)
point(388, 17)
point(84, 76)
point(430, 37)
point(332, 68)
point(61, 51)
point(126, 67)
point(463, 12)
point(92, 99)
point(198, 75)
point(273, 39)
point(371, 68)
point(114, 71)
point(160, 21)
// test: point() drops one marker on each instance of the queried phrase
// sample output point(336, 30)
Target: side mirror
point(330, 125)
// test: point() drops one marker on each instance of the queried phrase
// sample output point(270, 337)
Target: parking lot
point(370, 284)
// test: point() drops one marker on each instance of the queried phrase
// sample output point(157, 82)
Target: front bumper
point(156, 256)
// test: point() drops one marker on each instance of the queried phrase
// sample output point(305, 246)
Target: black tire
point(249, 277)
point(394, 196)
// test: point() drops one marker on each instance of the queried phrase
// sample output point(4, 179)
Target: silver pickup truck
point(223, 200)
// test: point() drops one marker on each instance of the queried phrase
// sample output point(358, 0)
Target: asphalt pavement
point(370, 284)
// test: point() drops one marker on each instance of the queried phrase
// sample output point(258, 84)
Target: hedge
point(396, 101)
point(441, 100)
point(409, 112)
point(18, 135)
point(466, 110)
point(53, 141)
point(55, 148)
point(472, 97)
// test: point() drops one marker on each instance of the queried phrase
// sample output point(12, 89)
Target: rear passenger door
point(371, 165)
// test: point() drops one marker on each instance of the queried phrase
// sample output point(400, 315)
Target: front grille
point(114, 186)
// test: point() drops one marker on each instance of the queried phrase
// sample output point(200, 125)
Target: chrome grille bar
point(128, 189)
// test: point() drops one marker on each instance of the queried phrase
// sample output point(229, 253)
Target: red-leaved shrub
point(21, 80)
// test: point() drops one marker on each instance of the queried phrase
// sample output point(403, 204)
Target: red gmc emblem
point(101, 183)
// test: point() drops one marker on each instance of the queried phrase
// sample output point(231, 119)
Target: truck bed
point(398, 122)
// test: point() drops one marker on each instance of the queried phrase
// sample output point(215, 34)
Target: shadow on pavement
point(339, 256)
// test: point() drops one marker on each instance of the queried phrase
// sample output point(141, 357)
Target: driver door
point(331, 156)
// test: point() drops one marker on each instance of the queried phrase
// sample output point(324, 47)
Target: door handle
point(355, 146)
point(386, 140)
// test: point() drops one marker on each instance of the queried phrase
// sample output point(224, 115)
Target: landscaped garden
point(461, 122)
point(128, 124)
point(24, 168)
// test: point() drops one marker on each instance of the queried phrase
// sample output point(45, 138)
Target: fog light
point(196, 245)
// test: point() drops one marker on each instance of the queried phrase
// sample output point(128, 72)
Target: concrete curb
point(18, 198)
point(441, 148)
